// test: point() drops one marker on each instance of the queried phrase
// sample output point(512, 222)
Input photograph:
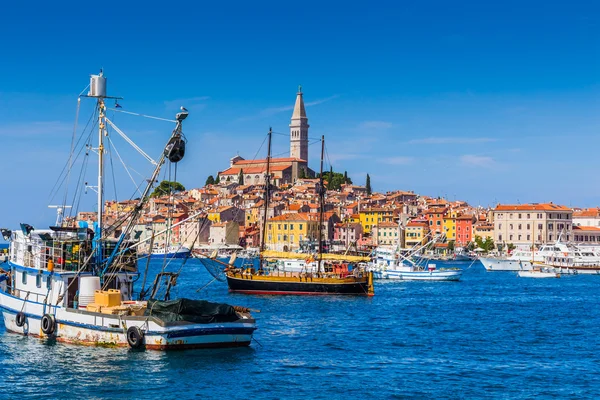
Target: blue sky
point(482, 101)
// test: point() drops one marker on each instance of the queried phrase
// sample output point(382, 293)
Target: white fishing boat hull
point(496, 264)
point(436, 275)
point(90, 328)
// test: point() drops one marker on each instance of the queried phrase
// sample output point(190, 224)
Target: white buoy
point(87, 287)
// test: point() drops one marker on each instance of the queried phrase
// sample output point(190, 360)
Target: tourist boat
point(323, 274)
point(75, 284)
point(522, 259)
point(386, 265)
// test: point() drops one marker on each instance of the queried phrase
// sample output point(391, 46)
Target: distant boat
point(170, 252)
point(539, 272)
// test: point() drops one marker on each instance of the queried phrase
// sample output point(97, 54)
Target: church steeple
point(299, 129)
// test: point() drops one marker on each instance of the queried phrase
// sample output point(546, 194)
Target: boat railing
point(28, 295)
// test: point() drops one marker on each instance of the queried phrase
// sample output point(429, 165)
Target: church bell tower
point(299, 129)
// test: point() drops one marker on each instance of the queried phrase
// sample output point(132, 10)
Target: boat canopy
point(325, 256)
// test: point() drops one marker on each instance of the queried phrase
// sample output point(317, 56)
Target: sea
point(492, 335)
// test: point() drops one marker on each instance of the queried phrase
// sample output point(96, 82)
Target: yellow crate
point(109, 298)
point(93, 307)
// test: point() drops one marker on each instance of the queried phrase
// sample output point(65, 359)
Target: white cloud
point(400, 160)
point(375, 125)
point(478, 161)
point(452, 140)
point(36, 128)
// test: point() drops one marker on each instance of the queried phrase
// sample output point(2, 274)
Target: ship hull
point(96, 329)
point(256, 285)
point(494, 264)
point(182, 254)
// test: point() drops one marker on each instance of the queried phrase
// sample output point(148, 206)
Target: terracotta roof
point(296, 217)
point(586, 228)
point(387, 225)
point(254, 170)
point(531, 207)
point(590, 212)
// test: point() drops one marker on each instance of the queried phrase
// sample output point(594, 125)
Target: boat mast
point(267, 194)
point(321, 206)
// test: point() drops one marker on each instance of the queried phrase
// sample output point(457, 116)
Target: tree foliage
point(487, 244)
point(368, 185)
point(302, 174)
point(218, 180)
point(451, 245)
point(167, 187)
point(241, 177)
point(210, 180)
point(335, 180)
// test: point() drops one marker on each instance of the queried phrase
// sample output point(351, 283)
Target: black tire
point(135, 337)
point(20, 319)
point(48, 324)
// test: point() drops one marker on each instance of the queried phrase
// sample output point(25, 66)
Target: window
point(279, 226)
point(291, 227)
point(284, 227)
point(300, 227)
point(292, 238)
point(510, 237)
point(528, 227)
point(540, 226)
point(500, 238)
point(24, 278)
point(519, 216)
point(499, 226)
point(519, 226)
point(430, 222)
point(551, 227)
point(510, 226)
point(279, 238)
point(519, 237)
point(38, 280)
point(528, 216)
point(270, 238)
point(438, 223)
point(285, 238)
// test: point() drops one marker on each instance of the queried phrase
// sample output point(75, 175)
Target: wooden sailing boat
point(337, 276)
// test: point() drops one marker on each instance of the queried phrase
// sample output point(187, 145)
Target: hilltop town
point(228, 212)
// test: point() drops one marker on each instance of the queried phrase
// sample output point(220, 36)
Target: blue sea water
point(491, 335)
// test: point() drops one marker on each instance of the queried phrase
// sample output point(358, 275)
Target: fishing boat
point(320, 274)
point(403, 267)
point(75, 284)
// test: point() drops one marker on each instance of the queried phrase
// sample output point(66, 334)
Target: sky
point(488, 102)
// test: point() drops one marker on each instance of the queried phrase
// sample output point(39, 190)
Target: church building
point(283, 170)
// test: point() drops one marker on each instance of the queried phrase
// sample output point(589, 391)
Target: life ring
point(20, 319)
point(48, 324)
point(135, 337)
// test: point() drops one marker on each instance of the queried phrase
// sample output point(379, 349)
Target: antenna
point(59, 213)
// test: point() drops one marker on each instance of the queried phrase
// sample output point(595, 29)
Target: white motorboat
point(539, 272)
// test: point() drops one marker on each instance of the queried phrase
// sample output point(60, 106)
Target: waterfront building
point(588, 235)
point(286, 231)
point(224, 233)
point(435, 217)
point(370, 217)
point(347, 233)
point(484, 230)
point(385, 234)
point(464, 229)
point(226, 213)
point(587, 217)
point(523, 224)
point(416, 233)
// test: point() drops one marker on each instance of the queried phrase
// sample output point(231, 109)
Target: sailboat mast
point(267, 193)
point(101, 126)
point(321, 206)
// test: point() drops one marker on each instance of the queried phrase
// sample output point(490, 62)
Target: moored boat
point(75, 284)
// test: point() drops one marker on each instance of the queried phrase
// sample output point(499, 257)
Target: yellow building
point(416, 233)
point(373, 216)
point(286, 231)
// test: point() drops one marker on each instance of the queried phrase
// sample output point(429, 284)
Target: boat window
point(24, 278)
point(38, 280)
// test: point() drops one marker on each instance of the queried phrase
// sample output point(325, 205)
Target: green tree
point(487, 245)
point(241, 177)
point(368, 185)
point(345, 177)
point(167, 187)
point(218, 180)
point(302, 174)
point(511, 247)
point(330, 179)
point(210, 180)
point(335, 180)
point(451, 245)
